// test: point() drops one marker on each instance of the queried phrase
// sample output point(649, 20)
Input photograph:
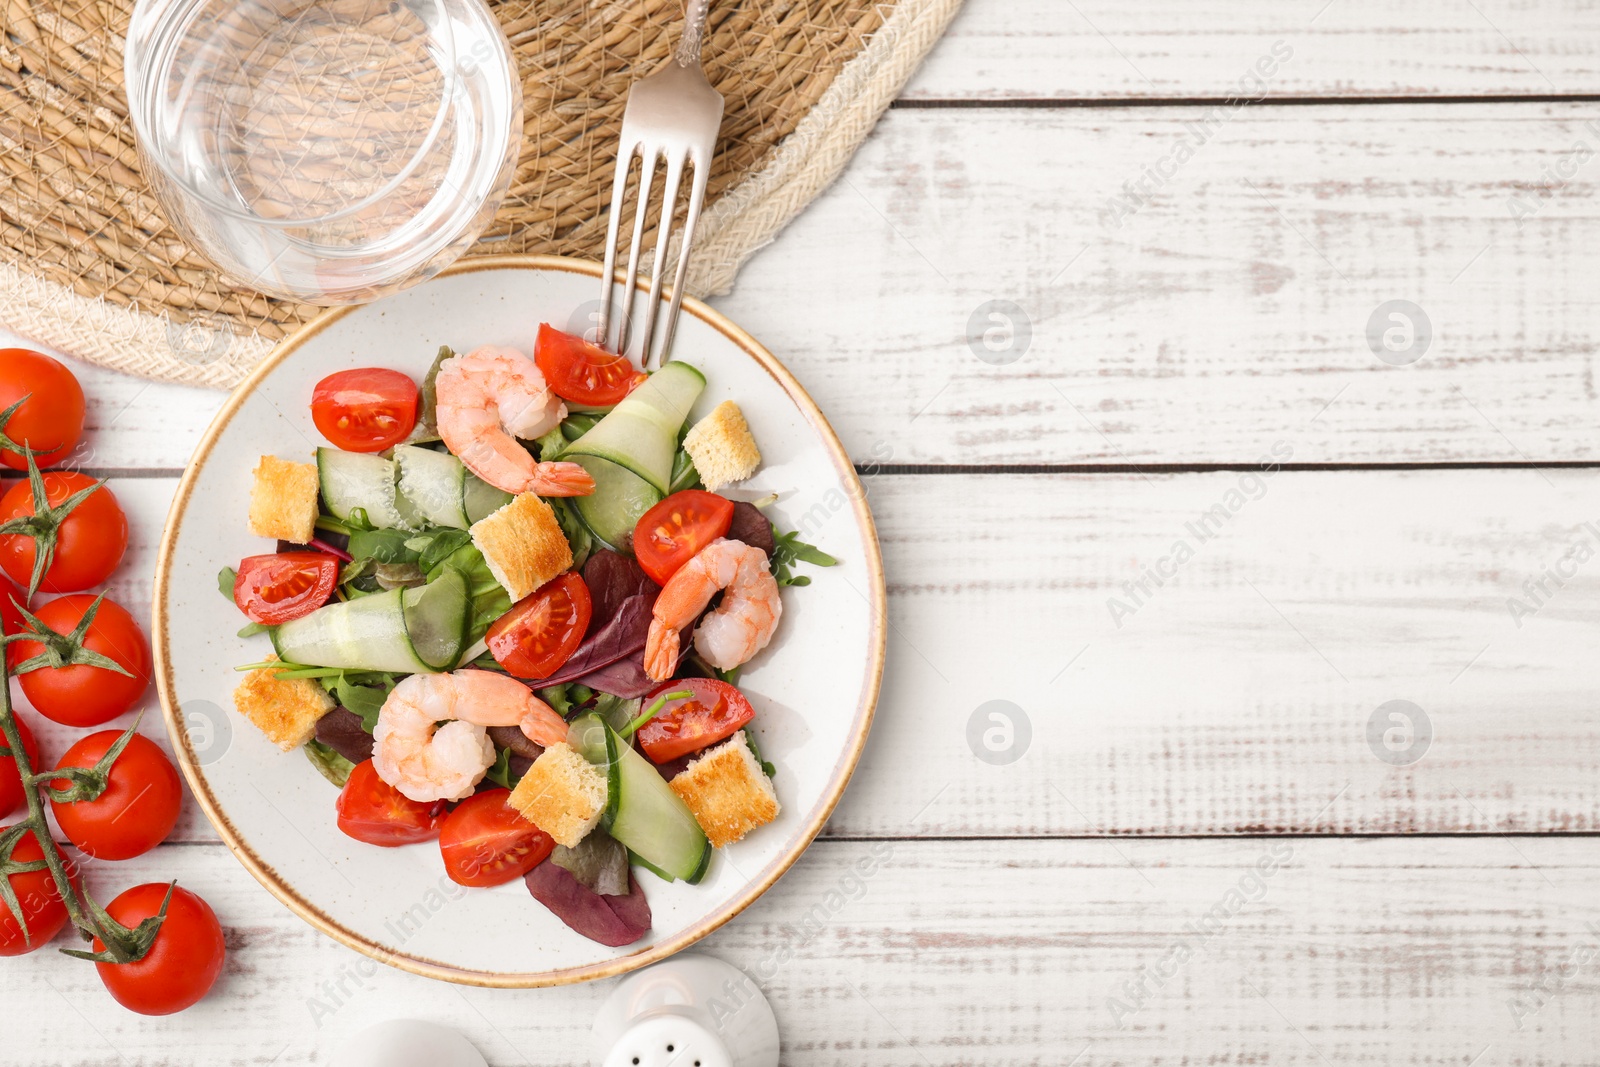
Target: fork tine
point(619, 192)
point(669, 204)
point(697, 196)
point(647, 173)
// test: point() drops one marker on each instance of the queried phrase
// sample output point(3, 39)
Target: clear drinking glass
point(328, 151)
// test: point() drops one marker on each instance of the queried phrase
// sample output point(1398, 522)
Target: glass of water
point(326, 151)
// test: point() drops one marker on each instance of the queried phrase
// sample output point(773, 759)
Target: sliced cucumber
point(479, 499)
point(434, 483)
point(368, 634)
point(641, 433)
point(642, 811)
point(403, 630)
point(620, 497)
point(436, 619)
point(362, 480)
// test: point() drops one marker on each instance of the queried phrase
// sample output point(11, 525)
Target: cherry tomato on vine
point(277, 588)
point(50, 420)
point(84, 694)
point(12, 795)
point(184, 961)
point(542, 630)
point(41, 904)
point(581, 372)
point(669, 534)
point(374, 811)
point(713, 711)
point(486, 841)
point(139, 807)
point(89, 540)
point(365, 410)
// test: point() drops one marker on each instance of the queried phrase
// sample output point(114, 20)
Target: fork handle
point(694, 28)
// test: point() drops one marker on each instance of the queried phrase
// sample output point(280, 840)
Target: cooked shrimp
point(740, 626)
point(486, 400)
point(427, 761)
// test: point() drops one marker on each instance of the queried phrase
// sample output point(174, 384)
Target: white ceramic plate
point(814, 687)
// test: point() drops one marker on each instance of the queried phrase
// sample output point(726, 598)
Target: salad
point(507, 610)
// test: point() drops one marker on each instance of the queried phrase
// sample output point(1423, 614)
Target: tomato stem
point(654, 710)
point(122, 945)
point(44, 525)
point(64, 650)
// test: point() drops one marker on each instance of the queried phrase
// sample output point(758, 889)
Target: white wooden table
point(1100, 899)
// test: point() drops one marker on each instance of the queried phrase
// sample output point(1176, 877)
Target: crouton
point(523, 545)
point(285, 709)
point(562, 794)
point(722, 448)
point(728, 792)
point(283, 500)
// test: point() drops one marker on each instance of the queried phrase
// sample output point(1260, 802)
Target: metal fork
point(672, 115)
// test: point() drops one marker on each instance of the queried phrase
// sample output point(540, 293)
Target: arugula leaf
point(567, 697)
point(427, 415)
point(551, 444)
point(225, 579)
point(787, 550)
point(684, 475)
point(381, 546)
point(576, 425)
point(332, 766)
point(252, 628)
point(436, 546)
point(750, 739)
point(500, 772)
point(352, 691)
point(577, 534)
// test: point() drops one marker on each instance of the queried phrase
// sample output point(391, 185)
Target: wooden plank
point(1289, 951)
point(1234, 697)
point(1231, 311)
point(1105, 50)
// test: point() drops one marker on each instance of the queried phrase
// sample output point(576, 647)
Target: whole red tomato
point(374, 811)
point(41, 904)
point(183, 962)
point(140, 804)
point(12, 795)
point(50, 420)
point(83, 694)
point(90, 540)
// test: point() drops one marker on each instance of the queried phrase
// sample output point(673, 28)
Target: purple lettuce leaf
point(341, 731)
point(611, 920)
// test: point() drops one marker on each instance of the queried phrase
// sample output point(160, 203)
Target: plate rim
point(844, 767)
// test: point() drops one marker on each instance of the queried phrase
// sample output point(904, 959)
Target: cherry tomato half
point(365, 410)
point(714, 711)
point(41, 904)
point(11, 792)
point(486, 841)
point(669, 534)
point(374, 811)
point(581, 372)
point(543, 629)
point(184, 961)
point(89, 542)
point(284, 585)
point(50, 421)
point(139, 807)
point(82, 694)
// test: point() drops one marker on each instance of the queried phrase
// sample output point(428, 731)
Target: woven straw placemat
point(90, 265)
